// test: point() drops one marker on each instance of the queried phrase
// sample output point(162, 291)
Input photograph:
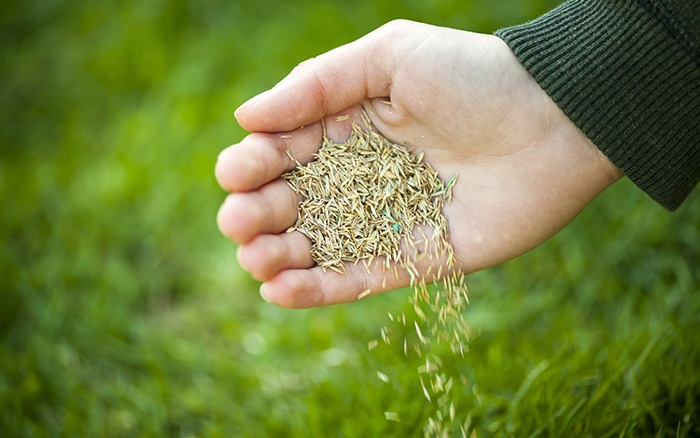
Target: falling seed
point(392, 416)
point(383, 377)
point(364, 199)
point(420, 333)
point(385, 336)
point(425, 390)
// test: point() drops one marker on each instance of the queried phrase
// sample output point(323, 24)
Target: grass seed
point(369, 198)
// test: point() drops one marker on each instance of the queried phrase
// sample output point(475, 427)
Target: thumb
point(328, 83)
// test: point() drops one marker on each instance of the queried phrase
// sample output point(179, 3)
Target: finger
point(305, 288)
point(268, 254)
point(338, 79)
point(271, 209)
point(260, 158)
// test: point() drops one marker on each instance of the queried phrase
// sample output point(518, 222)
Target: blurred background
point(123, 311)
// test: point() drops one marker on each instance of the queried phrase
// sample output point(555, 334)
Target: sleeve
point(627, 73)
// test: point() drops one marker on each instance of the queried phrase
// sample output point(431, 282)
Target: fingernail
point(252, 101)
point(262, 293)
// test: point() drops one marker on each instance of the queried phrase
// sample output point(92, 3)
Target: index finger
point(329, 83)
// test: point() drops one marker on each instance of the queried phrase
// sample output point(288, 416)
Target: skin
point(525, 170)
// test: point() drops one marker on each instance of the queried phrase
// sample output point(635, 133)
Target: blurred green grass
point(123, 310)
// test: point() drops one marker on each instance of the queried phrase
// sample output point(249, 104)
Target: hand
point(525, 170)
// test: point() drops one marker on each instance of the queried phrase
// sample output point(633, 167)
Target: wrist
point(612, 67)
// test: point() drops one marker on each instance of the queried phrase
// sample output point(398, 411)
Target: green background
point(123, 311)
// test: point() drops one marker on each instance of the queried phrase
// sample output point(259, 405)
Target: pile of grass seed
point(369, 198)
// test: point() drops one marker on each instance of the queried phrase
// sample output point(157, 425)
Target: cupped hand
point(525, 170)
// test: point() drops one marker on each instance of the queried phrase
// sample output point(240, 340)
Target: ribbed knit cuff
point(626, 83)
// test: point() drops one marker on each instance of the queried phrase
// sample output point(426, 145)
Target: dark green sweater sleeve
point(627, 73)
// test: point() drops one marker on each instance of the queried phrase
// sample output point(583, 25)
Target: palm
point(464, 100)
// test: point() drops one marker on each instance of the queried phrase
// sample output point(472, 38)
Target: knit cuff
point(627, 84)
